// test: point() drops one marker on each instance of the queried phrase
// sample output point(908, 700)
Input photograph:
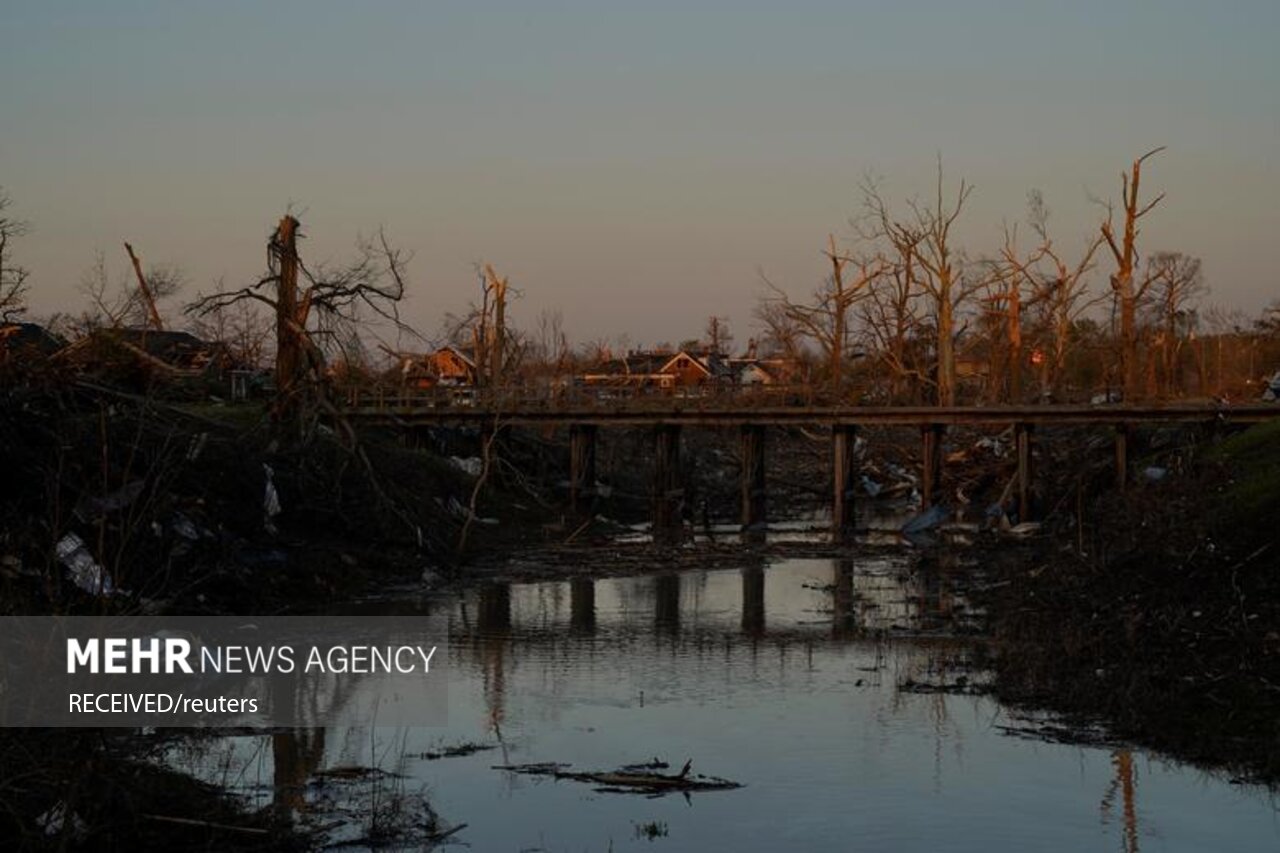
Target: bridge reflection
point(501, 627)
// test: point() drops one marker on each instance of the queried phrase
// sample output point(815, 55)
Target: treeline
point(905, 315)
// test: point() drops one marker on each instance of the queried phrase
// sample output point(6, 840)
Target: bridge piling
point(753, 480)
point(1122, 457)
point(845, 480)
point(931, 463)
point(1022, 435)
point(582, 466)
point(667, 492)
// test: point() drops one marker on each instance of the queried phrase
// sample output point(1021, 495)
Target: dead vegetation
point(1159, 611)
point(647, 779)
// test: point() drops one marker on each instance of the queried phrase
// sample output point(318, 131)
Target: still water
point(785, 676)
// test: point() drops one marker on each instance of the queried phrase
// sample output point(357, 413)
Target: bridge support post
point(582, 606)
point(753, 621)
point(1122, 457)
point(667, 493)
point(753, 481)
point(845, 480)
point(931, 468)
point(582, 466)
point(1022, 436)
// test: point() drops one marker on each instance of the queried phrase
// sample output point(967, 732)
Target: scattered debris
point(627, 781)
point(270, 501)
point(59, 820)
point(458, 751)
point(930, 518)
point(84, 570)
point(652, 830)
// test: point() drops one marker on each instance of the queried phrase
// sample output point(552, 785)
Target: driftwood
point(634, 779)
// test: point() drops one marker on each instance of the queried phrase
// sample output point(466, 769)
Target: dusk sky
point(633, 164)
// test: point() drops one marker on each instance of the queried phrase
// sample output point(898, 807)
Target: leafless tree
point(937, 268)
point(889, 319)
point(717, 336)
point(13, 277)
point(116, 303)
point(316, 311)
point(825, 320)
point(1177, 285)
point(550, 345)
point(1006, 301)
point(780, 334)
point(1129, 292)
point(242, 327)
point(1061, 293)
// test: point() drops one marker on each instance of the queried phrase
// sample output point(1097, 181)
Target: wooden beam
point(582, 466)
point(667, 492)
point(844, 466)
point(931, 463)
point(753, 480)
point(1122, 457)
point(1022, 434)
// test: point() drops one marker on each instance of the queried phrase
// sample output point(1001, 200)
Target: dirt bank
point(1158, 612)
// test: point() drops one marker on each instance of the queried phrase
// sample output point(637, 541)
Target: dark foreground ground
point(1156, 613)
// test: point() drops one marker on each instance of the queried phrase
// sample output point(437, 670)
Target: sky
point(636, 166)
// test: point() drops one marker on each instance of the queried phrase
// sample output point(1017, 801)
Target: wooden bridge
point(666, 416)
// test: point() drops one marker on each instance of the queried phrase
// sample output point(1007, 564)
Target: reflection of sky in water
point(782, 678)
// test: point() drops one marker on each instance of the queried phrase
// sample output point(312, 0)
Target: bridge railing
point(384, 398)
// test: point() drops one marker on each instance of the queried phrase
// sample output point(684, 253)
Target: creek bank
point(1158, 612)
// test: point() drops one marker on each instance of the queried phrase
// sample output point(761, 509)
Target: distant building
point(447, 367)
point(660, 371)
point(133, 353)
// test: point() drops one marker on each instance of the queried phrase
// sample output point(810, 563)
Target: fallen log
point(627, 779)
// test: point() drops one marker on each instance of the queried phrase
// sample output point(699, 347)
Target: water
point(785, 677)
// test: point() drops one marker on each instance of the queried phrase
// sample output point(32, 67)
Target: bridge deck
point(693, 415)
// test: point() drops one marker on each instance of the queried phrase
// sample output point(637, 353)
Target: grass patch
point(1251, 495)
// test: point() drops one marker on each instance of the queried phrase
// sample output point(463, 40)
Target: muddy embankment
point(119, 501)
point(1157, 612)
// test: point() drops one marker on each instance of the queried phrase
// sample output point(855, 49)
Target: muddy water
point(811, 682)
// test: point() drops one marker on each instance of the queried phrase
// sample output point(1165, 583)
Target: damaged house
point(138, 357)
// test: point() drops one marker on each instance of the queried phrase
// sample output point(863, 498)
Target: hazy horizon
point(634, 166)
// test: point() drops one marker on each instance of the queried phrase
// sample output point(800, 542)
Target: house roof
point(466, 354)
point(30, 337)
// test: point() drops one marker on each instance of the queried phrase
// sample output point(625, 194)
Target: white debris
point(59, 819)
point(84, 570)
point(270, 501)
point(472, 465)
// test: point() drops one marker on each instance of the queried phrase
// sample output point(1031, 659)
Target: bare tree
point(717, 336)
point(1005, 301)
point(937, 269)
point(242, 327)
point(890, 321)
point(312, 309)
point(1061, 293)
point(781, 335)
point(117, 304)
point(1177, 285)
point(1128, 293)
point(551, 344)
point(13, 277)
point(826, 320)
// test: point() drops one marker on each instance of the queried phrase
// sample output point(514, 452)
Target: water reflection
point(1125, 783)
point(582, 607)
point(786, 676)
